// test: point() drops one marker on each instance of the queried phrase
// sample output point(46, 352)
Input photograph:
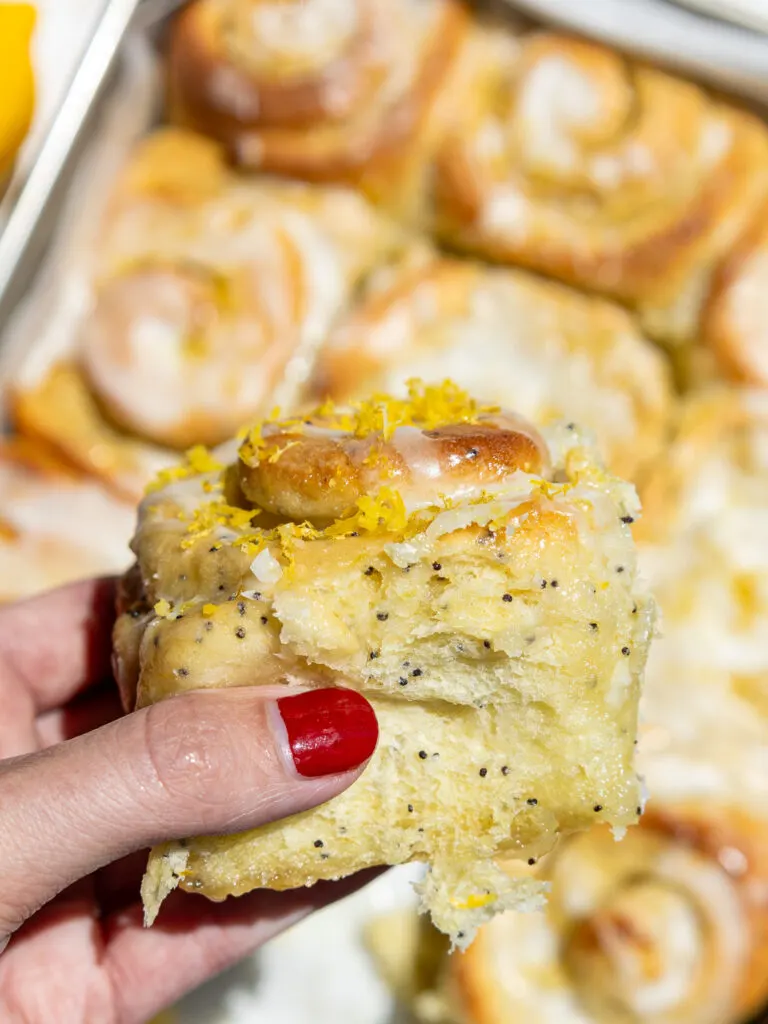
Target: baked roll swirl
point(479, 587)
point(210, 294)
point(569, 159)
point(328, 90)
point(665, 927)
point(55, 525)
point(510, 338)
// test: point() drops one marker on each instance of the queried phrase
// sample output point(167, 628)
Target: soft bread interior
point(501, 640)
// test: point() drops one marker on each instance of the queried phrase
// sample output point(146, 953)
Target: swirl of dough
point(612, 176)
point(334, 90)
point(664, 927)
point(528, 345)
point(169, 340)
point(211, 296)
point(321, 467)
point(659, 935)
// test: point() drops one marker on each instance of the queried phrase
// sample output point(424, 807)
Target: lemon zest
point(162, 608)
point(280, 450)
point(212, 514)
point(426, 407)
point(197, 461)
point(475, 902)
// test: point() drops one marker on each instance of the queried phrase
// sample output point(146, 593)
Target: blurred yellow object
point(17, 82)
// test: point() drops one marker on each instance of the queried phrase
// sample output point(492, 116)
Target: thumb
point(200, 763)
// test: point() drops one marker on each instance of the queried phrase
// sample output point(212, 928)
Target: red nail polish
point(330, 730)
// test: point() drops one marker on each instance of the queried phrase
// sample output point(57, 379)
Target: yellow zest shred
point(252, 544)
point(197, 460)
point(209, 610)
point(278, 451)
point(162, 608)
point(475, 902)
point(207, 517)
point(426, 407)
point(384, 511)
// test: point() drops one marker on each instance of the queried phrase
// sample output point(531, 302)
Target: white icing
point(266, 568)
point(555, 97)
point(410, 551)
point(704, 737)
point(165, 350)
point(507, 212)
point(510, 348)
point(303, 28)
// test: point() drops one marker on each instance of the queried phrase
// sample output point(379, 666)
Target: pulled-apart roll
point(473, 577)
point(349, 91)
point(540, 348)
point(55, 525)
point(210, 294)
point(571, 160)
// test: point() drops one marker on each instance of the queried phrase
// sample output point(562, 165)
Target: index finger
point(59, 643)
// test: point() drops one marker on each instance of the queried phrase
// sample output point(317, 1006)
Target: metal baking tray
point(119, 55)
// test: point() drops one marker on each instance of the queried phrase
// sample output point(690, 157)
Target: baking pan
point(118, 56)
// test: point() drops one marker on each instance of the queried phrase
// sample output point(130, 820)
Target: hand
point(74, 801)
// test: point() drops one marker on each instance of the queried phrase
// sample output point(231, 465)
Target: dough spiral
point(328, 90)
point(212, 293)
point(603, 173)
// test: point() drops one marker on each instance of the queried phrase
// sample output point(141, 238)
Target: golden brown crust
point(336, 113)
point(61, 412)
point(566, 163)
point(322, 474)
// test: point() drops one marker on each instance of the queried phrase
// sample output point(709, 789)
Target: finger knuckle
point(194, 752)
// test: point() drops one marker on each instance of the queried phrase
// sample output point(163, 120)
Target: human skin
point(84, 790)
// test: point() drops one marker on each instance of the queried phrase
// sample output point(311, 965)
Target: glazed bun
point(210, 295)
point(569, 159)
point(351, 91)
point(666, 927)
point(472, 576)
